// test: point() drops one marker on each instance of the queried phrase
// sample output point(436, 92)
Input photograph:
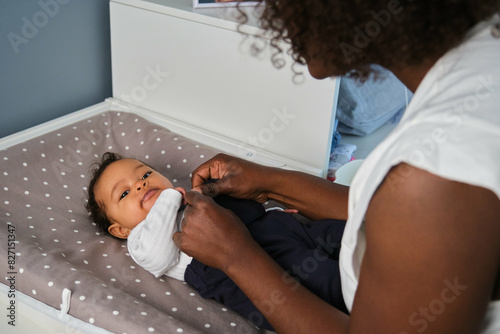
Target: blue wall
point(54, 59)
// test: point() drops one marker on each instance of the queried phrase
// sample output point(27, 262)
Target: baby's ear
point(119, 231)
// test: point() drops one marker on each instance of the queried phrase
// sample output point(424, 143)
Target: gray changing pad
point(42, 196)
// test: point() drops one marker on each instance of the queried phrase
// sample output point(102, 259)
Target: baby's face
point(128, 189)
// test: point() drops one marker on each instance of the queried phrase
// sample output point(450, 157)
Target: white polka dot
point(5, 188)
point(207, 325)
point(138, 130)
point(115, 312)
point(151, 329)
point(77, 282)
point(26, 192)
point(34, 291)
point(144, 313)
point(6, 202)
point(158, 139)
point(50, 284)
point(138, 280)
point(179, 147)
point(91, 320)
point(143, 295)
point(46, 266)
point(109, 297)
point(233, 324)
point(199, 308)
point(126, 147)
point(25, 164)
point(180, 330)
point(82, 298)
point(21, 270)
point(168, 293)
point(174, 309)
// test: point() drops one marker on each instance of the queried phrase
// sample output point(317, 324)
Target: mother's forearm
point(314, 197)
point(287, 305)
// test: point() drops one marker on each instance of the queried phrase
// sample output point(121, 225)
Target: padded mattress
point(48, 242)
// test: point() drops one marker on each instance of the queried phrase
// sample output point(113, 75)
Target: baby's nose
point(143, 185)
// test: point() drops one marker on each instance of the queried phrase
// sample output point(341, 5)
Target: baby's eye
point(125, 193)
point(146, 175)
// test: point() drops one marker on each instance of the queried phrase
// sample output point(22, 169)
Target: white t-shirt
point(451, 129)
point(150, 243)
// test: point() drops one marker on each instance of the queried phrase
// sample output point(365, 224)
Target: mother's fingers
point(193, 197)
point(211, 169)
point(177, 237)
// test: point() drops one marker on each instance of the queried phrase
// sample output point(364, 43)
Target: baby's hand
point(183, 192)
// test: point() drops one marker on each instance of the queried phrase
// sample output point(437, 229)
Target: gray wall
point(54, 59)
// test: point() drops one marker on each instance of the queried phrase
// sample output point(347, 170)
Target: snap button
point(495, 30)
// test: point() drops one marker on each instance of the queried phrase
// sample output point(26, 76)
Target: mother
point(421, 248)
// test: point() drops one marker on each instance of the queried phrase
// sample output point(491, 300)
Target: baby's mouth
point(147, 196)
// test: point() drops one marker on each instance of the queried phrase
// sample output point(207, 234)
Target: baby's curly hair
point(97, 210)
point(351, 35)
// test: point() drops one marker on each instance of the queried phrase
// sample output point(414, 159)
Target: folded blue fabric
point(362, 108)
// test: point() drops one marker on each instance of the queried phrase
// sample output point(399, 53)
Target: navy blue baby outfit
point(308, 252)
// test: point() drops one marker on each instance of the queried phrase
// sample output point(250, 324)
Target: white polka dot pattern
point(42, 195)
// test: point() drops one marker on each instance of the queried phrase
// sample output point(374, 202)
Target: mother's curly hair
point(352, 34)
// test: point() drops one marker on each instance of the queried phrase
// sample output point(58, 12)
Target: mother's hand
point(236, 177)
point(210, 233)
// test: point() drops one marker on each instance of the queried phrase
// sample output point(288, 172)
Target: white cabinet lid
point(197, 69)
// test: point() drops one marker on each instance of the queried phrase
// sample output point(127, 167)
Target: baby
point(130, 200)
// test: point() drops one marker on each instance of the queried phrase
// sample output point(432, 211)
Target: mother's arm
point(313, 197)
point(432, 256)
point(431, 261)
